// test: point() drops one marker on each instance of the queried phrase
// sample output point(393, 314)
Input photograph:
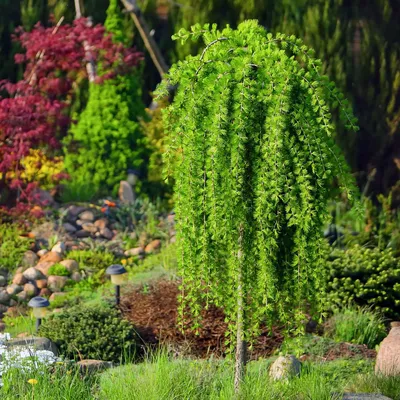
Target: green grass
point(20, 324)
point(160, 378)
point(372, 383)
point(356, 325)
point(163, 379)
point(63, 383)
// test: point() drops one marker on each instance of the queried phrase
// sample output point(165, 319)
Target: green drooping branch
point(249, 143)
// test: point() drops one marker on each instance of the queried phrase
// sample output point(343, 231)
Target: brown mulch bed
point(153, 311)
point(349, 350)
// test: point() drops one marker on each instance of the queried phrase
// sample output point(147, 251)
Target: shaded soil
point(153, 310)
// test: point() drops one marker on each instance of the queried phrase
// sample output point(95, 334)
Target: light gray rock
point(56, 283)
point(89, 227)
point(4, 297)
point(14, 289)
point(19, 279)
point(285, 367)
point(69, 228)
point(76, 276)
point(29, 259)
point(106, 233)
point(71, 265)
point(73, 211)
point(59, 248)
point(30, 289)
point(42, 252)
point(22, 296)
point(32, 274)
point(134, 252)
point(87, 216)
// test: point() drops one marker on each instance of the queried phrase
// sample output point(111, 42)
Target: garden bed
point(152, 308)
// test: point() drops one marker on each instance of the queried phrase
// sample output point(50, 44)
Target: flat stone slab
point(364, 396)
point(37, 343)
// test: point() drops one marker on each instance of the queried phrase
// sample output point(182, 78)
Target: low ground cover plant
point(58, 269)
point(12, 246)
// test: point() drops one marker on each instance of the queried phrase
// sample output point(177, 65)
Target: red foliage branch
point(34, 111)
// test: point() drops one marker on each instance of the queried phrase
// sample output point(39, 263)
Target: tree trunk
point(90, 65)
point(241, 344)
point(151, 46)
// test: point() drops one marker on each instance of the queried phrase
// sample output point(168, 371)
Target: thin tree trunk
point(90, 65)
point(151, 45)
point(241, 344)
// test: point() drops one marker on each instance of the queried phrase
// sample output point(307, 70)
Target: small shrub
point(367, 277)
point(91, 331)
point(40, 169)
point(59, 270)
point(12, 246)
point(357, 325)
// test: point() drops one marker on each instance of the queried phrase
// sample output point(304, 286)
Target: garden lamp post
point(39, 307)
point(118, 276)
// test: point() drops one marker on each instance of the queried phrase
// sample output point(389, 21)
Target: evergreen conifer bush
point(107, 139)
point(250, 146)
point(92, 332)
point(367, 277)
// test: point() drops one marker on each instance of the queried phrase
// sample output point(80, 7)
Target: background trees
point(107, 139)
point(357, 41)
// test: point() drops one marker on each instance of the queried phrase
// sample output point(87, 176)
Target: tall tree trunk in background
point(90, 65)
point(149, 42)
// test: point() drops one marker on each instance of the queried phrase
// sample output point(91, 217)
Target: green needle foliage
point(249, 144)
point(107, 139)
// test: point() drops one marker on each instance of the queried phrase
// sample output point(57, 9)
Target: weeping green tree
point(249, 144)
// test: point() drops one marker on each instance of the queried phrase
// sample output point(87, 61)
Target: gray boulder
point(33, 274)
point(285, 367)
